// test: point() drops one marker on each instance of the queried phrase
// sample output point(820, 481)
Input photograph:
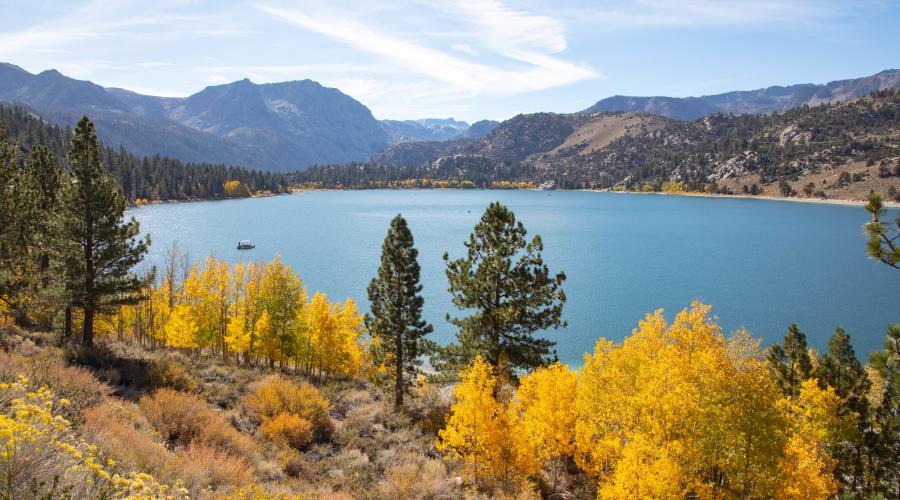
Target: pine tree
point(44, 176)
point(840, 369)
point(97, 248)
point(791, 363)
point(504, 279)
point(885, 409)
point(882, 244)
point(396, 323)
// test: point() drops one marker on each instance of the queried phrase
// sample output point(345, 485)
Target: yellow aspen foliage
point(281, 293)
point(263, 328)
point(478, 432)
point(321, 323)
point(544, 414)
point(237, 336)
point(807, 467)
point(207, 289)
point(334, 332)
point(350, 324)
point(236, 189)
point(180, 329)
point(654, 404)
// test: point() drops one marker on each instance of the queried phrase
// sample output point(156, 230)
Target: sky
point(467, 59)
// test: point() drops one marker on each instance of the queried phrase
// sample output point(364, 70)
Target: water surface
point(761, 264)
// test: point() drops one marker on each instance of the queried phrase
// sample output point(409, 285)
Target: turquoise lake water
point(760, 264)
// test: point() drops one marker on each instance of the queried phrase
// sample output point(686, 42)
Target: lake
point(761, 264)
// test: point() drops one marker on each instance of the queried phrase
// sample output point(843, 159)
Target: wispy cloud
point(616, 15)
point(526, 43)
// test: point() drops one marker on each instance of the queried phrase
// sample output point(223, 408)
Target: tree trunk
point(87, 337)
point(67, 332)
point(398, 382)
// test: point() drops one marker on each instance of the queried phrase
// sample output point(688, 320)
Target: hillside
point(782, 146)
point(147, 178)
point(759, 101)
point(641, 151)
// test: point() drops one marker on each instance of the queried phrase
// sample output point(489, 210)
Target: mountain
point(760, 101)
point(480, 129)
point(278, 126)
point(427, 129)
point(842, 150)
point(149, 178)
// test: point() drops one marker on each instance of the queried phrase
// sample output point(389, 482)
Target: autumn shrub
point(275, 395)
point(167, 373)
point(76, 385)
point(413, 475)
point(204, 467)
point(288, 429)
point(293, 463)
point(123, 434)
point(184, 419)
point(429, 407)
point(43, 458)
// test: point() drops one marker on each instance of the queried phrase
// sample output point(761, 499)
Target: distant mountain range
point(760, 101)
point(292, 125)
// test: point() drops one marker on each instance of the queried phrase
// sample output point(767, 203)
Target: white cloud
point(465, 48)
point(217, 79)
point(697, 13)
point(527, 45)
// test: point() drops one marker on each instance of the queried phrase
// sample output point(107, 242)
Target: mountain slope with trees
point(843, 150)
point(147, 178)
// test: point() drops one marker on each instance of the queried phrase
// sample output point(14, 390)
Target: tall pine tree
point(396, 321)
point(840, 369)
point(885, 409)
point(18, 215)
point(504, 280)
point(96, 247)
point(44, 176)
point(791, 364)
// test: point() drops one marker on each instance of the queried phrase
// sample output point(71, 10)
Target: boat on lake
point(245, 245)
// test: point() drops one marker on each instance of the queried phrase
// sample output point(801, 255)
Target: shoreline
point(132, 204)
point(822, 201)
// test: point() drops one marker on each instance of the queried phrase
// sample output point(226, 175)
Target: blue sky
point(470, 59)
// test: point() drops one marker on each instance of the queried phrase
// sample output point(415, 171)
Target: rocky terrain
point(642, 151)
point(281, 126)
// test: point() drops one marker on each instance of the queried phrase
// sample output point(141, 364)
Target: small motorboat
point(245, 245)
